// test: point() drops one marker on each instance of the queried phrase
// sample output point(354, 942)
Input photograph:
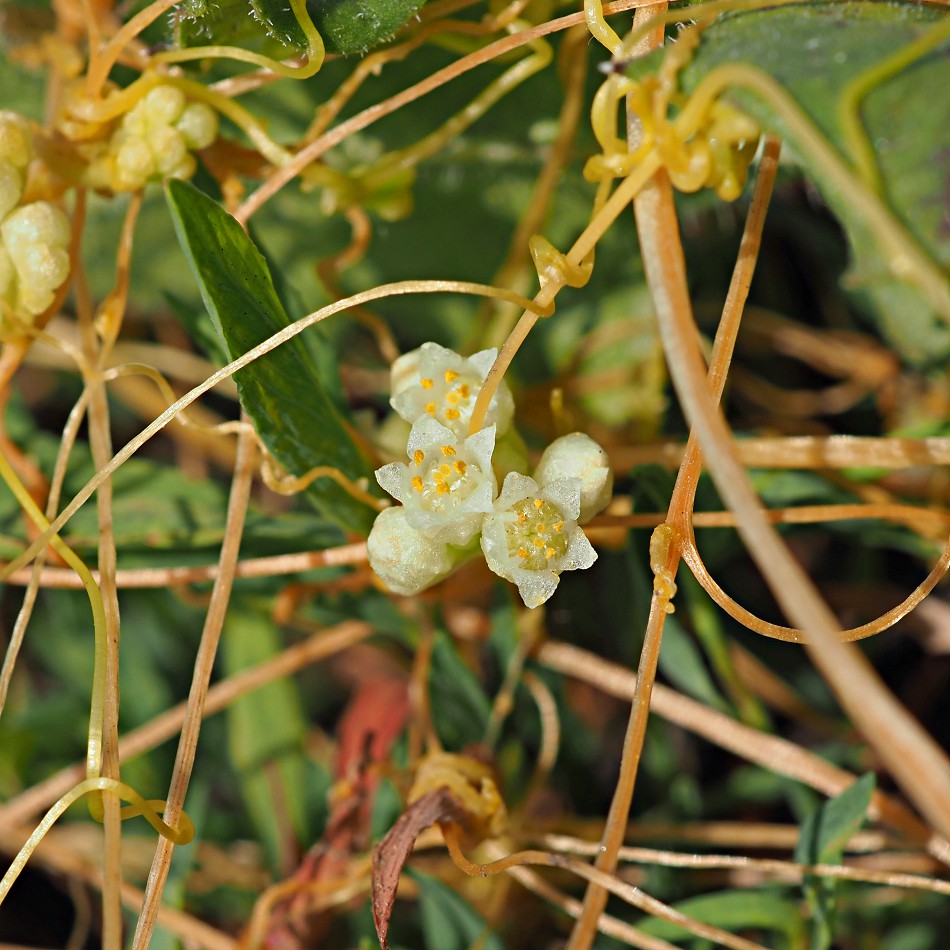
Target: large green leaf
point(816, 52)
point(346, 26)
point(281, 392)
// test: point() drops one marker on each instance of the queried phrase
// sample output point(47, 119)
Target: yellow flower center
point(443, 483)
point(535, 534)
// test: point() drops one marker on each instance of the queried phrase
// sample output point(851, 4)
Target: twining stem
point(207, 648)
point(271, 343)
point(106, 808)
point(918, 763)
point(361, 120)
point(680, 506)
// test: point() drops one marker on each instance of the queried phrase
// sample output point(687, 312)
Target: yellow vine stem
point(773, 753)
point(139, 806)
point(392, 164)
point(315, 149)
point(515, 271)
point(849, 104)
point(238, 500)
point(599, 28)
point(915, 760)
point(93, 780)
point(558, 271)
point(284, 484)
point(906, 260)
point(102, 61)
point(316, 52)
point(634, 896)
point(739, 613)
point(398, 288)
point(19, 491)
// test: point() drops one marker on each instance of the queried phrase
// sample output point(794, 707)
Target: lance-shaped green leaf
point(281, 392)
point(822, 840)
point(856, 91)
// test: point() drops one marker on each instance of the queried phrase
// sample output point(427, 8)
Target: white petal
point(482, 361)
point(481, 445)
point(565, 494)
point(515, 488)
point(392, 479)
point(536, 587)
point(404, 372)
point(426, 432)
point(580, 555)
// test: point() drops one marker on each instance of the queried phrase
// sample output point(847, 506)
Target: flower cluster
point(34, 237)
point(153, 140)
point(450, 504)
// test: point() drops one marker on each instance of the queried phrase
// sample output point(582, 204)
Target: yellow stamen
point(448, 450)
point(418, 456)
point(459, 466)
point(522, 517)
point(442, 488)
point(550, 552)
point(452, 414)
point(463, 390)
point(558, 525)
point(522, 553)
point(430, 408)
point(538, 542)
point(451, 375)
point(538, 503)
point(417, 484)
point(445, 470)
point(438, 477)
point(426, 383)
point(452, 398)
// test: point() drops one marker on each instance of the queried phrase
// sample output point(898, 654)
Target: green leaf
point(347, 26)
point(448, 922)
point(460, 708)
point(822, 839)
point(266, 733)
point(816, 52)
point(735, 911)
point(281, 392)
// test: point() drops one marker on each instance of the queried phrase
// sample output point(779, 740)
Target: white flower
point(448, 486)
point(436, 382)
point(405, 560)
point(579, 456)
point(533, 536)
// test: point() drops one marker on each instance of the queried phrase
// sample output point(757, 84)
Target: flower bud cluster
point(450, 504)
point(152, 141)
point(34, 237)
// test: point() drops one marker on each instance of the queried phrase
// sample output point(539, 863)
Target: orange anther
point(448, 450)
point(426, 383)
point(418, 456)
point(417, 484)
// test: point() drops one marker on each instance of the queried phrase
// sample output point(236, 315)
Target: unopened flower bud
point(579, 456)
point(406, 561)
